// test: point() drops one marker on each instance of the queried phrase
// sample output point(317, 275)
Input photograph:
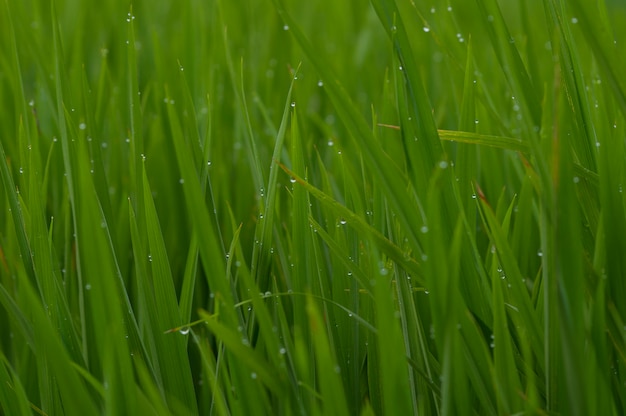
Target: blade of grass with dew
point(506, 380)
point(301, 257)
point(525, 317)
point(174, 362)
point(265, 226)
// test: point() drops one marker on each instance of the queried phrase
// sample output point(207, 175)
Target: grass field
point(282, 207)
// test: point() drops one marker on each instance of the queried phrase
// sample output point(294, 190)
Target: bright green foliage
point(332, 207)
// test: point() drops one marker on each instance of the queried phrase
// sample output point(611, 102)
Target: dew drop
point(292, 180)
point(184, 330)
point(320, 83)
point(293, 104)
point(342, 221)
point(331, 143)
point(426, 29)
point(424, 229)
point(88, 286)
point(286, 27)
point(574, 20)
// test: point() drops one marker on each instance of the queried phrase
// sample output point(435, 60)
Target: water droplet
point(424, 229)
point(208, 163)
point(149, 257)
point(394, 29)
point(282, 351)
point(443, 164)
point(426, 29)
point(88, 286)
point(21, 170)
point(576, 179)
point(331, 143)
point(490, 18)
point(383, 271)
point(449, 8)
point(181, 181)
point(286, 27)
point(253, 375)
point(31, 103)
point(476, 121)
point(400, 67)
point(342, 221)
point(540, 253)
point(184, 330)
point(292, 180)
point(574, 20)
point(320, 83)
point(267, 294)
point(432, 10)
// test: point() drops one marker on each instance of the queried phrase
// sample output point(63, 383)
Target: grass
point(386, 208)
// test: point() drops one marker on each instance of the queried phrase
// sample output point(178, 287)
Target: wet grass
point(386, 208)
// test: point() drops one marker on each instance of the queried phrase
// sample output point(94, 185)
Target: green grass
point(330, 207)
